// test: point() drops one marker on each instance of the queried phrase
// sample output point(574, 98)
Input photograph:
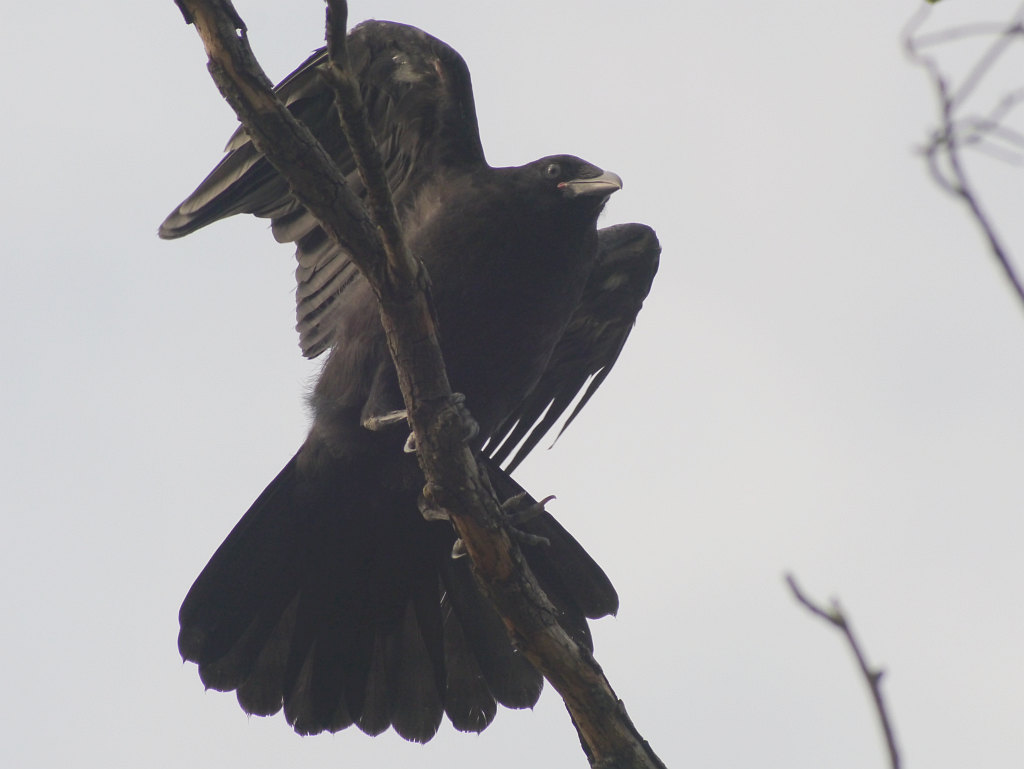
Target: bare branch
point(987, 60)
point(835, 617)
point(401, 265)
point(977, 29)
point(946, 140)
point(454, 479)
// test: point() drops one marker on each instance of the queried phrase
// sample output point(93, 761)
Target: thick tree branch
point(454, 479)
point(835, 617)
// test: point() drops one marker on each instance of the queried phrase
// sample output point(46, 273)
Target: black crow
point(333, 597)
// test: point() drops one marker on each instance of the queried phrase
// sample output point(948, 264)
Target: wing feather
point(419, 101)
point(627, 261)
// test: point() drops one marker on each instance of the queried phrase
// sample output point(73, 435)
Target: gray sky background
point(828, 378)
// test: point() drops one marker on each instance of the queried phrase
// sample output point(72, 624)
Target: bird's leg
point(377, 423)
point(383, 421)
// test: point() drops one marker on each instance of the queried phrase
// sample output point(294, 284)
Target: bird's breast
point(504, 291)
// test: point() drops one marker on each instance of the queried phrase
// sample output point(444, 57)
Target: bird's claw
point(459, 549)
point(459, 412)
point(519, 510)
point(458, 406)
point(431, 513)
point(431, 505)
point(522, 508)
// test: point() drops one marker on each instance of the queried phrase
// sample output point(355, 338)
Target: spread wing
point(621, 279)
point(419, 103)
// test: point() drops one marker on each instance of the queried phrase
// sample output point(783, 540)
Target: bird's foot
point(380, 422)
point(430, 507)
point(517, 510)
point(520, 509)
point(458, 412)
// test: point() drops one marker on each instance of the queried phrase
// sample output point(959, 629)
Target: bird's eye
point(552, 171)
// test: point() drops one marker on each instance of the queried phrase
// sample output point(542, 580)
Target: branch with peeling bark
point(834, 616)
point(455, 481)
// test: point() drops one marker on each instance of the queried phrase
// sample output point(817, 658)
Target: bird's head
point(571, 177)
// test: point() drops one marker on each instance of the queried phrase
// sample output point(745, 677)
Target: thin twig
point(944, 145)
point(987, 60)
point(958, 33)
point(835, 617)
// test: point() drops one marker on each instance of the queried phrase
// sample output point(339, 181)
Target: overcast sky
point(828, 378)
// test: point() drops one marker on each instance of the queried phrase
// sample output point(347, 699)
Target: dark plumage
point(333, 597)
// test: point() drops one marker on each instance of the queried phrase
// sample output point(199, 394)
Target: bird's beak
point(605, 184)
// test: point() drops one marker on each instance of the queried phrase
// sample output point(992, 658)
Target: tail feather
point(418, 708)
point(332, 638)
point(468, 703)
point(565, 568)
point(326, 670)
point(510, 677)
point(250, 579)
point(402, 689)
point(335, 600)
point(260, 692)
